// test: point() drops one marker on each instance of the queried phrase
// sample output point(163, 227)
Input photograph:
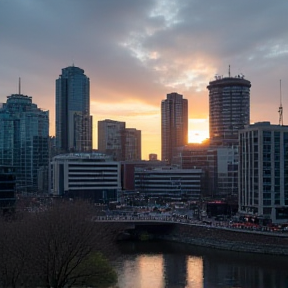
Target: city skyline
point(136, 52)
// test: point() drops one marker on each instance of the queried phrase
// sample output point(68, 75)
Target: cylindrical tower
point(229, 109)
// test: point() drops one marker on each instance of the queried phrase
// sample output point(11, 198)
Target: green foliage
point(98, 272)
point(145, 236)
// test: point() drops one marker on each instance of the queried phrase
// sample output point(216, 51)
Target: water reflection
point(170, 265)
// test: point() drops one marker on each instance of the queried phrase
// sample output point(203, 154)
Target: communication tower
point(280, 111)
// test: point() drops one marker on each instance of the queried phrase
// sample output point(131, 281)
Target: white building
point(85, 175)
point(263, 171)
point(169, 183)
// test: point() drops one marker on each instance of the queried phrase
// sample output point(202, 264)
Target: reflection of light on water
point(151, 268)
point(143, 272)
point(195, 272)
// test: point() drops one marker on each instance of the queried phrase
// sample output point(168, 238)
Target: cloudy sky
point(137, 51)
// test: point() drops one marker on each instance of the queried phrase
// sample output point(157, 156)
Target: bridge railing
point(172, 219)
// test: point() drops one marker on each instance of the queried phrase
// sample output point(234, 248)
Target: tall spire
point(229, 71)
point(19, 86)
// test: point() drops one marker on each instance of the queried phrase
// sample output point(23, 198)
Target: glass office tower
point(73, 120)
point(24, 133)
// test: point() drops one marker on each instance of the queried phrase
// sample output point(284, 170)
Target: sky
point(135, 52)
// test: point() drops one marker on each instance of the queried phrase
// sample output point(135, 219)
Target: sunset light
point(160, 127)
point(198, 130)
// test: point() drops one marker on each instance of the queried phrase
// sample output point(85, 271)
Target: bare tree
point(61, 247)
point(14, 253)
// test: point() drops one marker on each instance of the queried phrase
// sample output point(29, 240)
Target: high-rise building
point(111, 138)
point(73, 120)
point(24, 133)
point(263, 171)
point(132, 144)
point(229, 108)
point(174, 124)
point(114, 139)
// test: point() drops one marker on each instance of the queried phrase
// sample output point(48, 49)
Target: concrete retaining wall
point(228, 239)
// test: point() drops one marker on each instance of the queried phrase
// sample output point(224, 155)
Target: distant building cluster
point(117, 140)
point(241, 161)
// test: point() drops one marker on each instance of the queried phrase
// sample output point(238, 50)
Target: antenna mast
point(19, 86)
point(280, 111)
point(229, 71)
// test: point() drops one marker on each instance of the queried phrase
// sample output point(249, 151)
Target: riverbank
point(197, 233)
point(228, 239)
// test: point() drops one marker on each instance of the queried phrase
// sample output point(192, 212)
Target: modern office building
point(132, 144)
point(85, 175)
point(229, 109)
point(200, 156)
point(263, 171)
point(169, 183)
point(7, 188)
point(73, 120)
point(111, 138)
point(24, 133)
point(174, 124)
point(117, 140)
point(128, 171)
point(227, 171)
point(219, 166)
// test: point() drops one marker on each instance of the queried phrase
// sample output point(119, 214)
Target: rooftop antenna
point(280, 111)
point(19, 86)
point(229, 71)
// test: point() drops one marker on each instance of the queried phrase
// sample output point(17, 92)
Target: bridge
point(222, 235)
point(162, 220)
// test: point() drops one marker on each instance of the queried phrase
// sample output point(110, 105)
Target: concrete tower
point(174, 124)
point(229, 108)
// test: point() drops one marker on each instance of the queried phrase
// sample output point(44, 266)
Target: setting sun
point(198, 130)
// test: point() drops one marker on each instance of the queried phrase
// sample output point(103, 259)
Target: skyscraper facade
point(263, 171)
point(174, 124)
point(229, 108)
point(73, 120)
point(24, 134)
point(132, 144)
point(111, 138)
point(117, 140)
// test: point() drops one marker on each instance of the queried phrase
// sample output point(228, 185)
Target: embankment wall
point(228, 239)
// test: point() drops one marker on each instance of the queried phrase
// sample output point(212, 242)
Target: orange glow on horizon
point(197, 136)
point(198, 130)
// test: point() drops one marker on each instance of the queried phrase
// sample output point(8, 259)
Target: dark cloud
point(136, 50)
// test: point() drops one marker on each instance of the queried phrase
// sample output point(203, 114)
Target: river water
point(174, 265)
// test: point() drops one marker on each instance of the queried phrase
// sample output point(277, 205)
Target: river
point(174, 265)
